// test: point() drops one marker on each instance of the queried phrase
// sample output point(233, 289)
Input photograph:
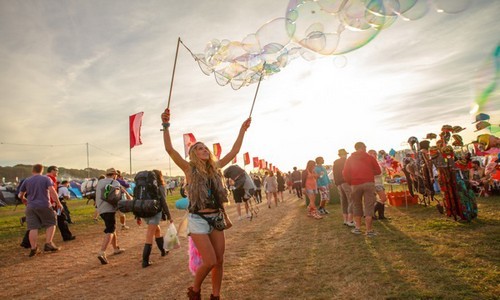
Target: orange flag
point(256, 162)
point(246, 159)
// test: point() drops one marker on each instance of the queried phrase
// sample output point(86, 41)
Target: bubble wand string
point(173, 72)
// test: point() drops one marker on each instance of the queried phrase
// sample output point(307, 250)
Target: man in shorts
point(323, 185)
point(39, 213)
point(239, 197)
point(108, 214)
point(359, 172)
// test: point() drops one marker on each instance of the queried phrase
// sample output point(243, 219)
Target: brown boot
point(193, 295)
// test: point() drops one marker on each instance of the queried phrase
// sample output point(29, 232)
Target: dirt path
point(254, 251)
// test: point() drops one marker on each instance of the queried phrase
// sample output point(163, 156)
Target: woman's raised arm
point(237, 144)
point(167, 141)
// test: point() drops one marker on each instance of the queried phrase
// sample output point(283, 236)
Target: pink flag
point(217, 150)
point(189, 140)
point(135, 123)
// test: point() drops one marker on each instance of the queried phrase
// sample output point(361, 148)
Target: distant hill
point(18, 172)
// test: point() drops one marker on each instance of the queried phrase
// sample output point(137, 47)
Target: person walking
point(64, 195)
point(343, 187)
point(359, 172)
point(323, 185)
point(310, 186)
point(207, 196)
point(39, 213)
point(62, 224)
point(153, 223)
point(297, 182)
point(271, 188)
point(258, 188)
point(281, 185)
point(107, 212)
point(380, 189)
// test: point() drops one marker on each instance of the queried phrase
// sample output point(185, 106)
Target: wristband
point(165, 125)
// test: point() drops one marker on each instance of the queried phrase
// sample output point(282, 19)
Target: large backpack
point(112, 194)
point(88, 188)
point(146, 202)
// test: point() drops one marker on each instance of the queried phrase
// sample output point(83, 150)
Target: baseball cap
point(481, 117)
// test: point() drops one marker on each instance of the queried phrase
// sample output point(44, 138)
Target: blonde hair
point(209, 167)
point(159, 177)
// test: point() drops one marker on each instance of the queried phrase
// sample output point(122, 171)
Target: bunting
point(217, 150)
point(256, 163)
point(189, 140)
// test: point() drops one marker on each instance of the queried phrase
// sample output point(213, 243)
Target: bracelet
point(165, 125)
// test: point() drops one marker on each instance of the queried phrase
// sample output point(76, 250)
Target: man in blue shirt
point(39, 213)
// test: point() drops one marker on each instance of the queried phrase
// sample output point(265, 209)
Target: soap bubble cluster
point(310, 29)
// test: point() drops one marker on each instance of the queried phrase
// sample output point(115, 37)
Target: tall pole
point(88, 164)
point(130, 161)
point(173, 72)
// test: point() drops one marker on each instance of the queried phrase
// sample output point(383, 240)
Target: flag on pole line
point(246, 158)
point(189, 140)
point(217, 150)
point(256, 162)
point(135, 123)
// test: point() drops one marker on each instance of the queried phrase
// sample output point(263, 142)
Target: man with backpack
point(107, 211)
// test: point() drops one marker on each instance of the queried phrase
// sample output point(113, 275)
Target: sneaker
point(356, 231)
point(118, 250)
point(351, 224)
point(249, 216)
point(325, 211)
point(34, 252)
point(70, 238)
point(102, 258)
point(371, 233)
point(125, 227)
point(50, 247)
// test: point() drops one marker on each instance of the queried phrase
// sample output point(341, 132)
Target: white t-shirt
point(63, 192)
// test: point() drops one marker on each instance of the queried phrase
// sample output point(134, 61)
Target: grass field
point(419, 254)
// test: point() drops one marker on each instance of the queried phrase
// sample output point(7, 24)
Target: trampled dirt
point(280, 254)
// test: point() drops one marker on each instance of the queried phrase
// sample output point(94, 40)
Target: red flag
point(189, 140)
point(217, 150)
point(261, 164)
point(265, 164)
point(270, 167)
point(135, 123)
point(256, 162)
point(234, 160)
point(246, 159)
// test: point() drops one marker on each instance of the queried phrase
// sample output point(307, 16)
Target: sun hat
point(482, 125)
point(111, 171)
point(481, 117)
point(430, 136)
point(342, 152)
point(457, 129)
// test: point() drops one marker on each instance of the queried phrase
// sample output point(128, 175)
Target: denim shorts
point(154, 220)
point(311, 192)
point(198, 225)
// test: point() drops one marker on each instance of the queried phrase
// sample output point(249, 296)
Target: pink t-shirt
point(311, 181)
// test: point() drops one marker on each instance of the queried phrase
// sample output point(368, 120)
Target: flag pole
point(173, 72)
point(257, 90)
point(130, 161)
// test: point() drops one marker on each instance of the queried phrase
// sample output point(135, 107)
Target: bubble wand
point(257, 90)
point(173, 72)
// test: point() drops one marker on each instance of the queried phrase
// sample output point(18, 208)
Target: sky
point(72, 72)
